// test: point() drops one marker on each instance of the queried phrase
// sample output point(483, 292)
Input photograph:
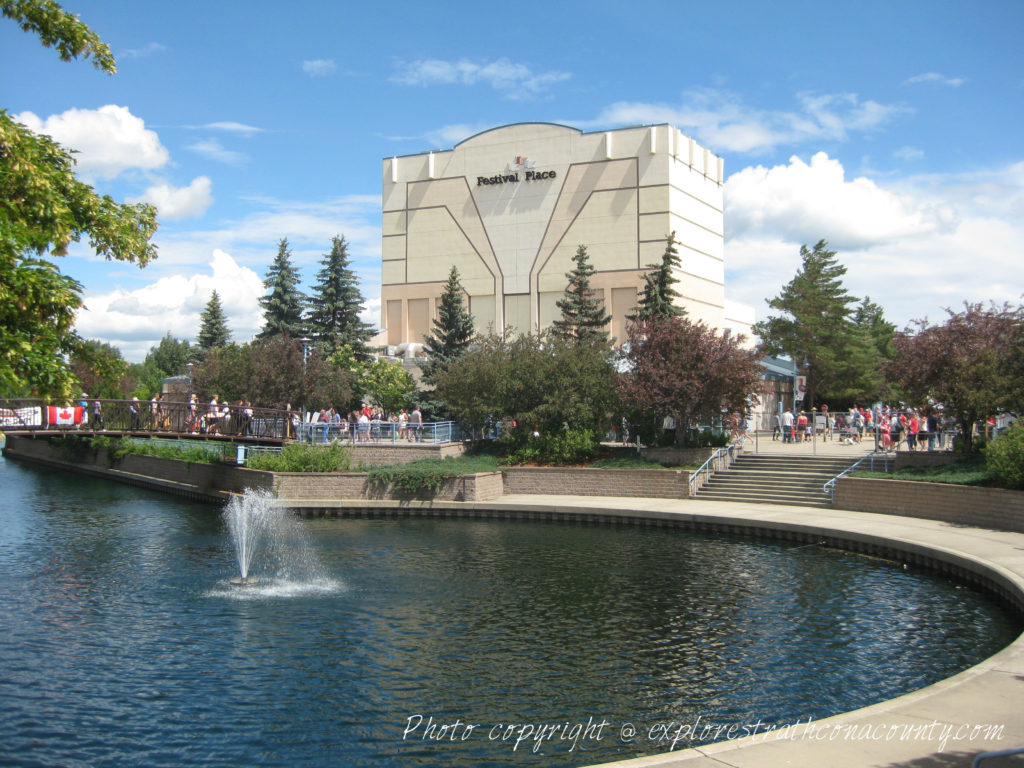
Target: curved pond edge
point(948, 723)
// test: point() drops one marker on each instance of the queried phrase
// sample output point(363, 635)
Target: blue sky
point(891, 129)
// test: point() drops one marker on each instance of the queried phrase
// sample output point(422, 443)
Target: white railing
point(885, 458)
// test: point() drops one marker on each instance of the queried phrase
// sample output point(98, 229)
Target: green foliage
point(706, 438)
point(427, 474)
point(225, 371)
point(168, 358)
point(301, 457)
point(213, 331)
point(815, 325)
point(1004, 458)
point(282, 307)
point(658, 296)
point(968, 470)
point(629, 460)
point(388, 385)
point(583, 314)
point(335, 305)
point(43, 209)
point(453, 330)
point(100, 369)
point(56, 27)
point(212, 453)
point(559, 448)
point(533, 380)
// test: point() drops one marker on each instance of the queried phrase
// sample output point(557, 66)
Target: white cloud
point(805, 202)
point(936, 79)
point(136, 320)
point(214, 150)
point(176, 203)
point(147, 50)
point(108, 141)
point(915, 246)
point(720, 119)
point(516, 81)
point(450, 135)
point(319, 67)
point(908, 153)
point(233, 127)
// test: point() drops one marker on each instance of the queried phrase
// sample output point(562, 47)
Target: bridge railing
point(144, 416)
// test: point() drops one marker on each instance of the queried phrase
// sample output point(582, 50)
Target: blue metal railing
point(321, 433)
point(714, 464)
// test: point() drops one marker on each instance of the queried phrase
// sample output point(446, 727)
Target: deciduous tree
point(43, 209)
point(966, 364)
point(388, 385)
point(675, 367)
point(100, 369)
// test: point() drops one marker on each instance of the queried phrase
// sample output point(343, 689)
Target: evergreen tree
point(658, 296)
point(453, 330)
point(213, 332)
point(816, 325)
point(282, 307)
point(335, 305)
point(583, 315)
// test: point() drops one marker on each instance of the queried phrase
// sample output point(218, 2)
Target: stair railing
point(714, 464)
point(830, 486)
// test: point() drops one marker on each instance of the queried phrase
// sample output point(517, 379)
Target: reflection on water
point(122, 642)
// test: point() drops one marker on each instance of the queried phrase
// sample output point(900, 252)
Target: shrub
point(1004, 458)
point(707, 438)
point(427, 474)
point(567, 446)
point(302, 457)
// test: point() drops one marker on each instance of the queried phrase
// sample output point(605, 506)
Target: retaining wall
point(402, 453)
point(960, 504)
point(652, 483)
point(307, 486)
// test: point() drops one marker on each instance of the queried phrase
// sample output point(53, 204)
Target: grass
point(969, 470)
point(630, 461)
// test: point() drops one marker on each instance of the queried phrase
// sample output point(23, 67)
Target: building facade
point(509, 207)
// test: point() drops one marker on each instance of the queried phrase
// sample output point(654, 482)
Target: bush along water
point(301, 457)
point(1004, 458)
point(559, 447)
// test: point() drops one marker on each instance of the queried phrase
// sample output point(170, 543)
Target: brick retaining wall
point(307, 486)
point(960, 504)
point(652, 483)
point(402, 453)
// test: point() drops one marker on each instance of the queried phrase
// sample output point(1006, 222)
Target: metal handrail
point(715, 457)
point(830, 486)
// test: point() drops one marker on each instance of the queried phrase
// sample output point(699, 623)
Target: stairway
point(776, 479)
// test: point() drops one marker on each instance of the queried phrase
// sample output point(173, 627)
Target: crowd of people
point(368, 424)
point(911, 428)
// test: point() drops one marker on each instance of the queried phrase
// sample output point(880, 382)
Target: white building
point(509, 207)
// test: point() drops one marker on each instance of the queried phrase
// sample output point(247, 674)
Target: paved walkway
point(943, 725)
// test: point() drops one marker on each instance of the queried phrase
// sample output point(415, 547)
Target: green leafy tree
point(815, 324)
point(336, 303)
point(282, 306)
point(213, 331)
point(225, 371)
point(659, 294)
point(169, 357)
point(453, 330)
point(43, 209)
point(533, 380)
point(100, 369)
point(278, 377)
point(583, 315)
point(388, 385)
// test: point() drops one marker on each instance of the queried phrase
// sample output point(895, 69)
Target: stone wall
point(653, 483)
point(959, 504)
point(195, 480)
point(402, 453)
point(335, 486)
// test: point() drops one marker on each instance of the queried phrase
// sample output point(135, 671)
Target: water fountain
point(257, 523)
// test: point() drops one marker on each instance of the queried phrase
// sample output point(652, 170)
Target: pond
point(435, 642)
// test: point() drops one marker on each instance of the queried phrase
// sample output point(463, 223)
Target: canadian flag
point(71, 414)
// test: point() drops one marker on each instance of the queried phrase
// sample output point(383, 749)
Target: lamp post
point(305, 340)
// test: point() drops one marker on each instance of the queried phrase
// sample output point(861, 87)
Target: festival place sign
point(522, 170)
